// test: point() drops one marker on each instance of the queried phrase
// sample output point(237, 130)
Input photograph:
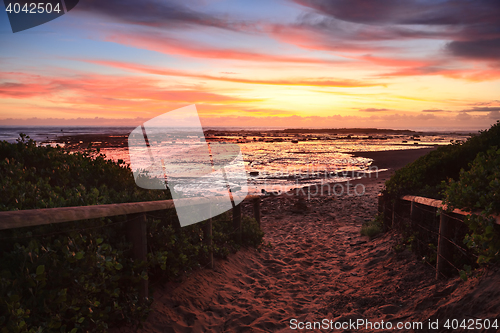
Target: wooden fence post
point(136, 232)
point(207, 240)
point(256, 210)
point(445, 249)
point(412, 212)
point(394, 213)
point(380, 201)
point(382, 209)
point(237, 222)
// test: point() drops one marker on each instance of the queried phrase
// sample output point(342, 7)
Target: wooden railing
point(446, 247)
point(136, 220)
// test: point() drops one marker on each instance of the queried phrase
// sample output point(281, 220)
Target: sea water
point(272, 165)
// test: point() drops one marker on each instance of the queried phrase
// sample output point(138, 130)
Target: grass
point(374, 227)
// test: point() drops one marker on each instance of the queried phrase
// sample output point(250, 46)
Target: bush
point(465, 176)
point(478, 191)
point(78, 276)
point(373, 227)
point(424, 177)
point(46, 177)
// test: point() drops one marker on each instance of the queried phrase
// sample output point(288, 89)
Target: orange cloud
point(98, 94)
point(318, 82)
point(398, 62)
point(172, 46)
point(106, 86)
point(472, 73)
point(310, 39)
point(395, 121)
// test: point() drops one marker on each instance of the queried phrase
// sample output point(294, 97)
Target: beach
point(282, 160)
point(315, 268)
point(315, 265)
point(250, 166)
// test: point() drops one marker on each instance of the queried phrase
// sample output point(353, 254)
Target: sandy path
point(318, 266)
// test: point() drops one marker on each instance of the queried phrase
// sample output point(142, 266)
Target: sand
point(316, 266)
point(394, 159)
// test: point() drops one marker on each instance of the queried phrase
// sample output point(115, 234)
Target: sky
point(412, 64)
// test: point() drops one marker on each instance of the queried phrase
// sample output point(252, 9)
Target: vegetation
point(465, 176)
point(478, 191)
point(425, 176)
point(45, 177)
point(78, 276)
point(374, 227)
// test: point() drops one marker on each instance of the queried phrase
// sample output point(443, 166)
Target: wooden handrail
point(34, 217)
point(137, 229)
point(438, 204)
point(445, 247)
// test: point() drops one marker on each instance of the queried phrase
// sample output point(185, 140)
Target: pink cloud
point(319, 82)
point(165, 44)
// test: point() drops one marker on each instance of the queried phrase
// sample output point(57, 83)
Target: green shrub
point(465, 176)
point(374, 227)
point(78, 276)
point(46, 177)
point(478, 191)
point(425, 175)
point(63, 283)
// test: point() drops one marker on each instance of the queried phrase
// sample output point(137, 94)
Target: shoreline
point(314, 264)
point(387, 160)
point(393, 159)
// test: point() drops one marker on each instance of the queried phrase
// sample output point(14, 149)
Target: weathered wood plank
point(445, 248)
point(33, 217)
point(237, 222)
point(438, 204)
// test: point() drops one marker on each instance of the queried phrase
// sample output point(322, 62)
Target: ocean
point(273, 161)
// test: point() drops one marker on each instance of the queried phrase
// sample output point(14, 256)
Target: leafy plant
point(78, 276)
point(466, 272)
point(425, 175)
point(46, 177)
point(373, 227)
point(465, 176)
point(478, 191)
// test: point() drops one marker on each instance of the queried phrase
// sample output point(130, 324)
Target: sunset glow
point(287, 63)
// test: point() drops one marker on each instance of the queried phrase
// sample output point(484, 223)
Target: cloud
point(490, 103)
point(160, 14)
point(395, 121)
point(26, 90)
point(494, 115)
point(80, 121)
point(434, 111)
point(112, 94)
point(319, 36)
point(482, 109)
point(317, 82)
point(361, 26)
point(373, 110)
point(470, 30)
point(166, 44)
point(408, 12)
point(476, 49)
